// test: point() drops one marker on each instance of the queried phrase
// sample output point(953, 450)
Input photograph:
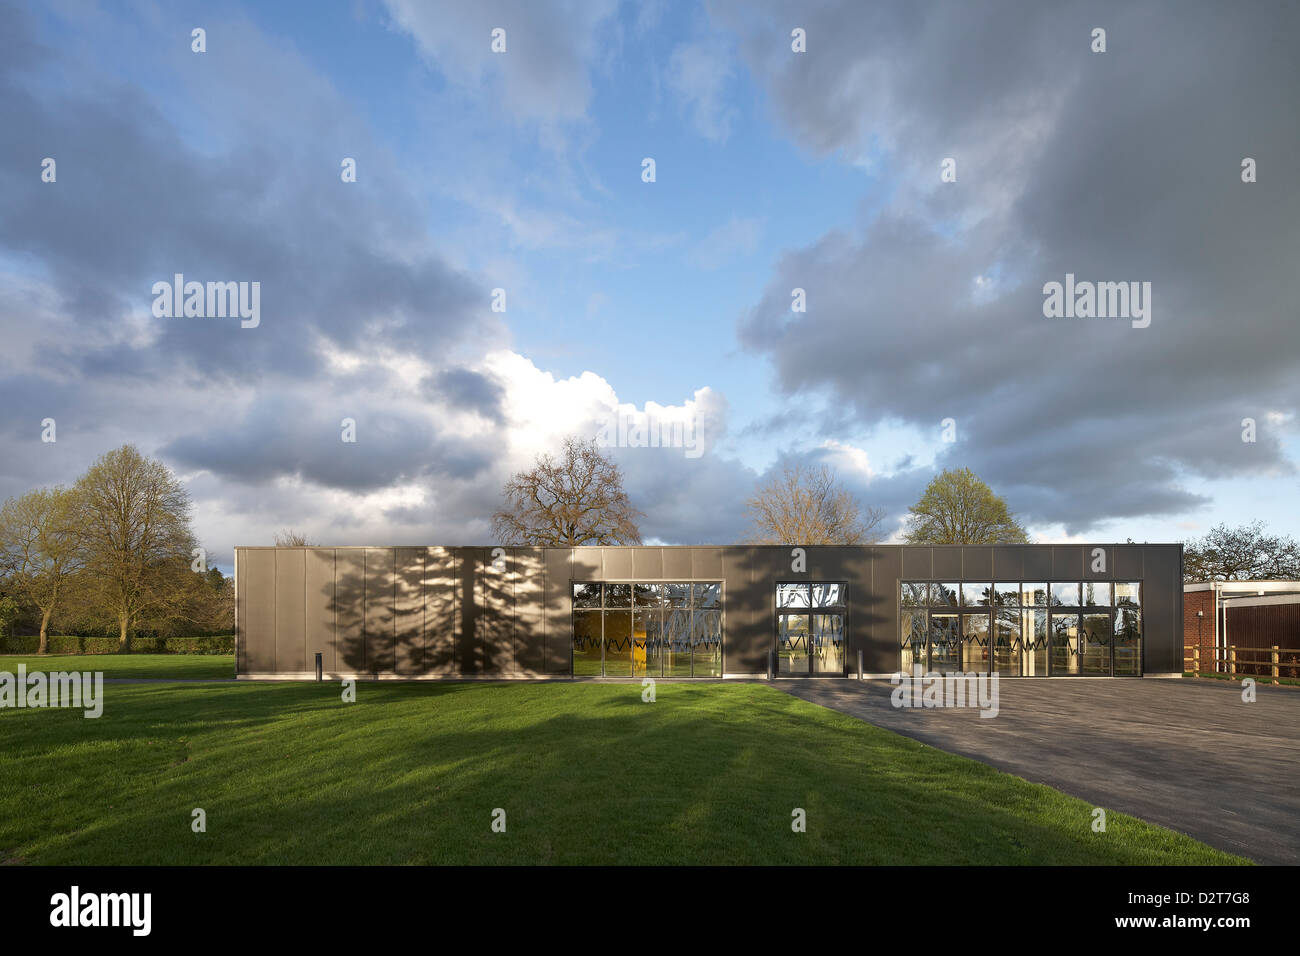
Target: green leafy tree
point(136, 521)
point(42, 548)
point(958, 508)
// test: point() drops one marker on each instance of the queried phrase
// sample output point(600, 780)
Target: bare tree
point(576, 500)
point(136, 520)
point(41, 548)
point(1241, 554)
point(806, 505)
point(288, 538)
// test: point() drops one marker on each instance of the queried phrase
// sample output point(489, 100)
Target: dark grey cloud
point(254, 194)
point(1122, 166)
point(280, 436)
point(468, 389)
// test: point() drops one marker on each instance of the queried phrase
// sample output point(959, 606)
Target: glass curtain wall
point(1022, 629)
point(647, 629)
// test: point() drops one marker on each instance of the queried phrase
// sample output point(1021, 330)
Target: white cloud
point(544, 73)
point(698, 74)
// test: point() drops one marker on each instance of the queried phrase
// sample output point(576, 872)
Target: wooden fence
point(1270, 662)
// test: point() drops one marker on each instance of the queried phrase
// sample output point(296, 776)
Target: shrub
point(67, 644)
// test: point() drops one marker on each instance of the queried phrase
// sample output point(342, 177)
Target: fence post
point(1232, 660)
point(1196, 661)
point(1273, 657)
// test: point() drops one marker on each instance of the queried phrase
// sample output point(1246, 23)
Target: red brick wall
point(1194, 601)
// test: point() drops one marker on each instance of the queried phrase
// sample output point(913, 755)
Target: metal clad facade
point(408, 612)
point(485, 612)
point(318, 609)
point(290, 610)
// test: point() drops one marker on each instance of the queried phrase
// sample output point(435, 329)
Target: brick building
point(1247, 615)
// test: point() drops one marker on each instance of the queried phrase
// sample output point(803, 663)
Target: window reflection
point(1065, 595)
point(647, 629)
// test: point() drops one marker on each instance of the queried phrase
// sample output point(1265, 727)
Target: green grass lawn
point(153, 666)
point(586, 773)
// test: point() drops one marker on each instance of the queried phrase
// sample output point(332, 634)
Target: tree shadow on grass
point(412, 774)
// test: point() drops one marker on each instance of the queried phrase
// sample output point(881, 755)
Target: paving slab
point(1186, 754)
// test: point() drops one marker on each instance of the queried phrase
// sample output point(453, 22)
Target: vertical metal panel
point(319, 603)
point(589, 564)
point(469, 596)
point(767, 567)
point(559, 600)
point(1067, 562)
point(647, 564)
point(440, 619)
point(946, 562)
point(977, 563)
point(1089, 558)
point(677, 564)
point(745, 638)
point(496, 593)
point(257, 611)
point(1162, 608)
point(379, 617)
point(618, 562)
point(529, 575)
point(1038, 562)
point(917, 564)
point(1128, 562)
point(290, 610)
point(881, 655)
point(240, 666)
point(706, 563)
point(350, 610)
point(408, 612)
point(1008, 564)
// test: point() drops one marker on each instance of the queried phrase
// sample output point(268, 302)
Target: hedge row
point(28, 643)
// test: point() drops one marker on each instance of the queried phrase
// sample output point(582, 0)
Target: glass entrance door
point(945, 641)
point(827, 647)
point(810, 629)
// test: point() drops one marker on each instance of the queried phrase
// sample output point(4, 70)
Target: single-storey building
point(1069, 610)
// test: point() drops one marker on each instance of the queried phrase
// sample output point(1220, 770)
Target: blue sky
point(774, 170)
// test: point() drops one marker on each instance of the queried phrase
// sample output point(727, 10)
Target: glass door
point(792, 645)
point(945, 640)
point(827, 644)
point(811, 619)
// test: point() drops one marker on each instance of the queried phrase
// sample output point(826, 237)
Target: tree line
point(113, 554)
point(578, 498)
